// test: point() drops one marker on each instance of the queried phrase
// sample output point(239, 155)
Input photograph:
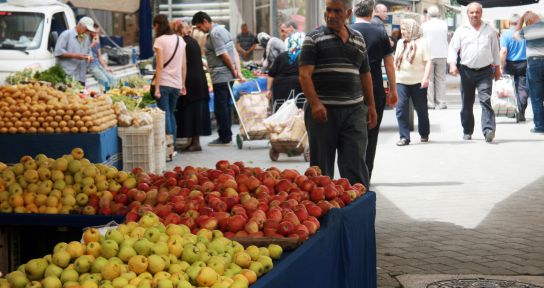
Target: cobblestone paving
point(510, 241)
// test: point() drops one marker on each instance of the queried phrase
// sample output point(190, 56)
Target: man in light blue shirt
point(73, 49)
point(514, 63)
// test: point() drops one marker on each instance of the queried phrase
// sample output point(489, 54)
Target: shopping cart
point(503, 98)
point(289, 146)
point(252, 108)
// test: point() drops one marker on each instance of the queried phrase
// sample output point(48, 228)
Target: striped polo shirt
point(337, 65)
point(534, 34)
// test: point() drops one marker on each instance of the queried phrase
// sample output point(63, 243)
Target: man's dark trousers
point(518, 69)
point(221, 106)
point(481, 80)
point(345, 131)
point(379, 98)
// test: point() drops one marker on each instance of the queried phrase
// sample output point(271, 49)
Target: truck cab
point(28, 33)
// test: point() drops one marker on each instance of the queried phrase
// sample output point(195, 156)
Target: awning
point(499, 3)
point(125, 6)
point(395, 2)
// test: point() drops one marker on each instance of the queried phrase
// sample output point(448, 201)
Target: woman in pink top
point(170, 76)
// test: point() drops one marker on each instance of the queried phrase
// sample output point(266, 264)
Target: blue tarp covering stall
point(341, 254)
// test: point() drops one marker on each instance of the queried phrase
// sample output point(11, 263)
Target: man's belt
point(476, 69)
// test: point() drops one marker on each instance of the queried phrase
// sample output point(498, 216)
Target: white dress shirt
point(479, 48)
point(436, 31)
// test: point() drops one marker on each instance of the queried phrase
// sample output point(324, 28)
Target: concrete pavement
point(445, 207)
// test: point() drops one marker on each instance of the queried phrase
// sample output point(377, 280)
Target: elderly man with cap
point(73, 49)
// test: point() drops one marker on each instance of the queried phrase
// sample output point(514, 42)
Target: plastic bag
point(253, 109)
point(282, 118)
point(503, 98)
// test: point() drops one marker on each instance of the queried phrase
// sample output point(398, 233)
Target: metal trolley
point(245, 134)
point(294, 147)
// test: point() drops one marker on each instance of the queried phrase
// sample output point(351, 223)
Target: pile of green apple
point(147, 254)
point(69, 184)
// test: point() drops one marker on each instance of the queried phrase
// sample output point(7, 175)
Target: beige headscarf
point(413, 31)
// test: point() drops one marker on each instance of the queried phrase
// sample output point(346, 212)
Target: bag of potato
point(283, 118)
point(253, 109)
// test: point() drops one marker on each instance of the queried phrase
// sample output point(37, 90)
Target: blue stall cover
point(146, 50)
point(341, 254)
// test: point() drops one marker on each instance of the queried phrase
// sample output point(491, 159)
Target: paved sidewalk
point(445, 207)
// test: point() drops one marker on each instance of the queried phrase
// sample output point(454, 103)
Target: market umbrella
point(144, 13)
point(499, 3)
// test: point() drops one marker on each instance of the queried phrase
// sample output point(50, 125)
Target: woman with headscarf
point(193, 113)
point(413, 65)
point(273, 47)
point(283, 73)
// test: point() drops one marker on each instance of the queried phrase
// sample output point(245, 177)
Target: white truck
point(28, 32)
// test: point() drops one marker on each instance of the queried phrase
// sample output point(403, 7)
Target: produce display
point(54, 75)
point(147, 254)
point(35, 108)
point(70, 184)
point(240, 201)
point(136, 118)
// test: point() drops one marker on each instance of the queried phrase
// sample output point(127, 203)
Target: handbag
point(152, 87)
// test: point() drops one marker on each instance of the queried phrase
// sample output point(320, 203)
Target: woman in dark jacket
point(193, 113)
point(283, 74)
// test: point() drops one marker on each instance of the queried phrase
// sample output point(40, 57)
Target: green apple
point(83, 264)
point(267, 263)
point(184, 284)
point(143, 246)
point(159, 248)
point(204, 256)
point(60, 246)
point(119, 282)
point(242, 259)
point(110, 248)
point(257, 267)
point(115, 235)
point(192, 272)
point(69, 275)
point(190, 253)
point(152, 234)
point(53, 270)
point(126, 252)
point(61, 258)
point(17, 279)
point(219, 244)
point(217, 263)
point(254, 252)
point(35, 268)
point(275, 251)
point(155, 264)
point(98, 264)
point(51, 282)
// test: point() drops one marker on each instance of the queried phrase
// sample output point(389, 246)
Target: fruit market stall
point(36, 118)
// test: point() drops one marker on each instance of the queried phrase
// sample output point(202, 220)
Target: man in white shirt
point(436, 31)
point(478, 46)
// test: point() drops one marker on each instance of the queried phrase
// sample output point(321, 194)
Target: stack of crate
point(138, 148)
point(159, 137)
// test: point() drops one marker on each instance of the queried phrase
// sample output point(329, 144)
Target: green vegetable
point(247, 74)
point(54, 75)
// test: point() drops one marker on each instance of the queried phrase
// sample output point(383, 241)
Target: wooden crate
point(287, 244)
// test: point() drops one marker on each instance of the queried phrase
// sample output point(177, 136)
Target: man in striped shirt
point(335, 77)
point(533, 32)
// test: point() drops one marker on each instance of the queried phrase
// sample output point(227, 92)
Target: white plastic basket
point(137, 144)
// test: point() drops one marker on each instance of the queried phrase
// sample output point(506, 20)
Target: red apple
point(317, 194)
point(274, 214)
point(222, 165)
point(330, 192)
point(301, 212)
point(314, 210)
point(310, 226)
point(143, 186)
point(207, 222)
point(236, 223)
point(316, 222)
point(172, 218)
point(251, 227)
point(286, 228)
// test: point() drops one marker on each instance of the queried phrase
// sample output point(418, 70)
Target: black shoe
point(533, 130)
point(467, 137)
point(489, 136)
point(219, 142)
point(522, 118)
